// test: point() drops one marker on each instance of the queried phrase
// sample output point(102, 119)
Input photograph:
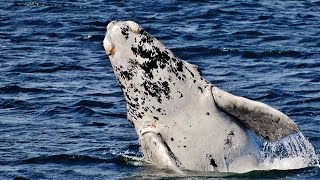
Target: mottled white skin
point(176, 112)
point(264, 120)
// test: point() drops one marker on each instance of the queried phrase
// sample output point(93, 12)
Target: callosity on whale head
point(182, 121)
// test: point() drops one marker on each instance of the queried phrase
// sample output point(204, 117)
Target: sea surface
point(63, 115)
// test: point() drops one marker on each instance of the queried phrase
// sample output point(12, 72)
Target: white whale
point(182, 121)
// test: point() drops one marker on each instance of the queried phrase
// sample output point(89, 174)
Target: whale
point(182, 121)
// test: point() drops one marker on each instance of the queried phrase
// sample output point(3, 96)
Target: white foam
point(292, 152)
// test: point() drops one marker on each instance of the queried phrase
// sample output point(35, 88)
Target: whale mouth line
point(149, 130)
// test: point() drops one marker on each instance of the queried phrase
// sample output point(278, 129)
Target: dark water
point(62, 114)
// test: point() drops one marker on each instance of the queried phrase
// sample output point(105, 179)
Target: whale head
point(146, 70)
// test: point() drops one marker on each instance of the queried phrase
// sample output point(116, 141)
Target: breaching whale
point(181, 120)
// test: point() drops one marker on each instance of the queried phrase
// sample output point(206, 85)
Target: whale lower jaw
point(156, 151)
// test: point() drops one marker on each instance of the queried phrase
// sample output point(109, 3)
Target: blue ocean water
point(62, 113)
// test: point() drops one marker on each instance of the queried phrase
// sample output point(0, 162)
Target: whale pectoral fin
point(260, 118)
point(156, 150)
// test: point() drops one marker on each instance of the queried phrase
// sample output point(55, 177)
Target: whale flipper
point(158, 152)
point(260, 118)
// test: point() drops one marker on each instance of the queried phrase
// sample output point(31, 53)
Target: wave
point(271, 53)
point(51, 112)
point(91, 103)
point(113, 156)
point(84, 110)
point(205, 51)
point(273, 95)
point(274, 38)
point(64, 110)
point(11, 89)
point(66, 159)
point(12, 103)
point(97, 124)
point(46, 68)
point(67, 111)
point(248, 33)
point(300, 65)
point(111, 94)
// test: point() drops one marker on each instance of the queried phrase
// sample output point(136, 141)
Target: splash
point(130, 157)
point(292, 152)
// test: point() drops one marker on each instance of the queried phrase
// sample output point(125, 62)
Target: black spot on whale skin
point(127, 95)
point(146, 37)
point(155, 58)
point(157, 89)
point(124, 32)
point(139, 115)
point(148, 67)
point(191, 73)
point(139, 51)
point(200, 89)
point(229, 139)
point(166, 89)
point(126, 75)
point(133, 64)
point(212, 161)
point(133, 105)
point(179, 66)
point(177, 69)
point(231, 133)
point(135, 90)
point(145, 109)
point(151, 88)
point(133, 113)
point(156, 118)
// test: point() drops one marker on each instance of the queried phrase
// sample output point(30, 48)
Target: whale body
point(182, 121)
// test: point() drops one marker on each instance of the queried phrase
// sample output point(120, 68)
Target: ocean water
point(62, 113)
